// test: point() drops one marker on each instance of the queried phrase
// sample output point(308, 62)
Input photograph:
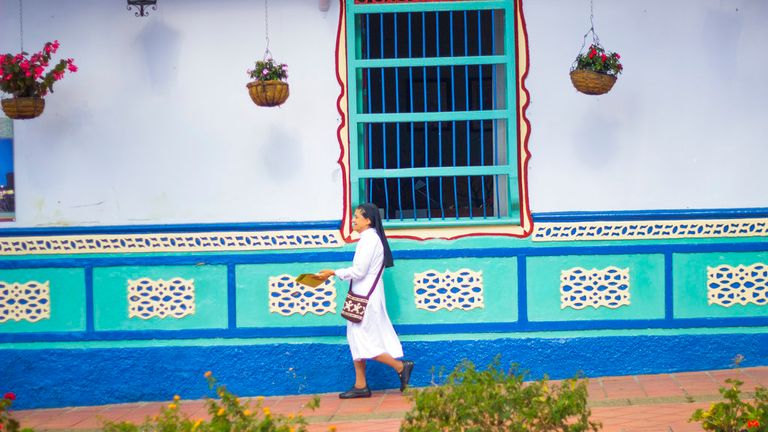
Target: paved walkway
point(640, 403)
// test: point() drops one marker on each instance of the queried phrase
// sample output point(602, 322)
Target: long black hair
point(371, 212)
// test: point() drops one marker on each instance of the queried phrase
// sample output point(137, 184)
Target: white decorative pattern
point(159, 298)
point(287, 297)
point(727, 285)
point(650, 230)
point(170, 242)
point(580, 288)
point(462, 289)
point(30, 301)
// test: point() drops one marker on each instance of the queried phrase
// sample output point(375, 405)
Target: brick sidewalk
point(639, 403)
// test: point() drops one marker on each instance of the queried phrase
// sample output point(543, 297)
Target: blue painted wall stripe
point(402, 329)
point(89, 313)
point(231, 297)
point(173, 228)
point(630, 215)
point(334, 255)
point(67, 377)
point(669, 284)
point(522, 292)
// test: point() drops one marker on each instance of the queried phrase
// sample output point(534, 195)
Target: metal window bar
point(397, 119)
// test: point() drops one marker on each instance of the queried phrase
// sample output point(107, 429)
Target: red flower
point(617, 55)
point(603, 57)
point(10, 396)
point(753, 424)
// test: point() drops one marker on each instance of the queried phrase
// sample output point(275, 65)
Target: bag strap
point(374, 283)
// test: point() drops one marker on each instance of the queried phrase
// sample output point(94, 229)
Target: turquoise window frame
point(355, 67)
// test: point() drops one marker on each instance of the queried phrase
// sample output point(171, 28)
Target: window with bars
point(432, 111)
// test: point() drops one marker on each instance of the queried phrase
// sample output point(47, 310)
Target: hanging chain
point(267, 52)
point(21, 28)
point(595, 39)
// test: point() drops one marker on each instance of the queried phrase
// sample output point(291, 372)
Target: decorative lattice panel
point(462, 289)
point(29, 301)
point(148, 298)
point(580, 288)
point(647, 230)
point(170, 242)
point(727, 285)
point(287, 297)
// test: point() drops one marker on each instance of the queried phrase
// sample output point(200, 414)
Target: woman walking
point(374, 337)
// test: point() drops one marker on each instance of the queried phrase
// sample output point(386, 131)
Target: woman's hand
point(325, 274)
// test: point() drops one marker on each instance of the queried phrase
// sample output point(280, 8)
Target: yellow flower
point(266, 411)
point(290, 416)
point(172, 406)
point(237, 400)
point(176, 398)
point(259, 398)
point(197, 424)
point(208, 374)
point(247, 413)
point(292, 430)
point(331, 428)
point(221, 412)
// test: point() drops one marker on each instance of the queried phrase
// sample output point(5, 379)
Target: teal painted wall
point(690, 293)
point(67, 299)
point(110, 294)
point(646, 281)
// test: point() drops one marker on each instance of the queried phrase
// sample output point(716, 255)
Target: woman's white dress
point(374, 335)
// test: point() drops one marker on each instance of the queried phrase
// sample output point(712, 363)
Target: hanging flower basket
point(22, 108)
point(591, 82)
point(268, 93)
point(24, 77)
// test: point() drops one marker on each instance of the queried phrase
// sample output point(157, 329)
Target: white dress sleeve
point(361, 263)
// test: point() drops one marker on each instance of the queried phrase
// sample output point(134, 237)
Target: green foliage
point(228, 414)
point(598, 60)
point(24, 76)
point(7, 422)
point(734, 414)
point(497, 400)
point(269, 70)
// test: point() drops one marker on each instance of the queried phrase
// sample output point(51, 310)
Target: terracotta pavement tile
point(358, 406)
point(595, 389)
point(760, 373)
point(697, 383)
point(661, 386)
point(388, 425)
point(621, 388)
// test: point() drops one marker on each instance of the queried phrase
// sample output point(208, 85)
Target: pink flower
point(24, 65)
point(39, 71)
point(264, 72)
point(72, 68)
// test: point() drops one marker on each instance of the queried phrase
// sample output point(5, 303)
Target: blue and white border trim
point(170, 242)
point(650, 230)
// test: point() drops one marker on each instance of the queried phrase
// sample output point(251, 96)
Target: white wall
point(684, 127)
point(157, 127)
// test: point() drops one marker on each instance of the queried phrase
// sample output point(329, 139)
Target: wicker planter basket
point(268, 93)
point(591, 82)
point(20, 108)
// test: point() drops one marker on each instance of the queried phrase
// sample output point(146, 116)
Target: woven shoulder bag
point(354, 305)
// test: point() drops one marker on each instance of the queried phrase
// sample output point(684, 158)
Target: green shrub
point(7, 422)
point(496, 400)
point(228, 413)
point(733, 414)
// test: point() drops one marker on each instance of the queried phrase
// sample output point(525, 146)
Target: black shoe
point(405, 374)
point(355, 392)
